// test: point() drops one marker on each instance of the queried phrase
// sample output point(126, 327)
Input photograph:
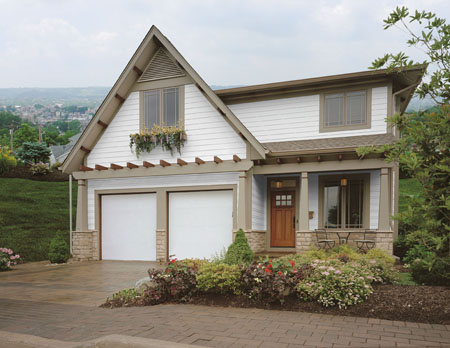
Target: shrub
point(267, 281)
point(345, 253)
point(7, 160)
point(219, 278)
point(400, 246)
point(177, 282)
point(34, 152)
point(379, 255)
point(335, 283)
point(431, 270)
point(418, 252)
point(59, 250)
point(239, 252)
point(7, 259)
point(39, 169)
point(55, 166)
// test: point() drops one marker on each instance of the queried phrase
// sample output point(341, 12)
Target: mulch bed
point(23, 172)
point(424, 304)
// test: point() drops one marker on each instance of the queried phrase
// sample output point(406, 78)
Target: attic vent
point(161, 67)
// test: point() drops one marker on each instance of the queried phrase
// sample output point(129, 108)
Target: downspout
point(70, 213)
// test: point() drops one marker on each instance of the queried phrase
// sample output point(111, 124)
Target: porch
point(288, 207)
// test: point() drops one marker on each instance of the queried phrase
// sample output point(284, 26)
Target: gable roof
point(152, 42)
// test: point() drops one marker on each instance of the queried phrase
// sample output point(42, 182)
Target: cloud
point(78, 43)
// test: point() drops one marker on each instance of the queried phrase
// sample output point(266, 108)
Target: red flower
point(267, 270)
point(270, 265)
point(292, 263)
point(280, 273)
point(294, 271)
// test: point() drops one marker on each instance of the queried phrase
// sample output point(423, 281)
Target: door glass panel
point(278, 198)
point(277, 203)
point(289, 203)
point(332, 206)
point(289, 197)
point(283, 197)
point(283, 202)
point(354, 204)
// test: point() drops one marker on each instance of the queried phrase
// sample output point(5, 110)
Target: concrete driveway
point(86, 284)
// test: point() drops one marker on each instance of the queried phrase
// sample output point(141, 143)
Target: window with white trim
point(161, 107)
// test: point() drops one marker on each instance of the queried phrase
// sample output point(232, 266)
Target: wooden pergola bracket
point(217, 160)
point(82, 148)
point(236, 158)
point(180, 162)
point(148, 164)
point(132, 165)
point(100, 167)
point(86, 168)
point(115, 166)
point(199, 161)
point(163, 163)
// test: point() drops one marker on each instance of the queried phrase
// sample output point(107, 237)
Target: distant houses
point(60, 152)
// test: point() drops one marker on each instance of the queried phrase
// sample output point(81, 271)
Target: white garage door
point(129, 227)
point(200, 223)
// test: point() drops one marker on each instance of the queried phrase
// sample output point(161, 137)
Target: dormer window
point(162, 107)
point(345, 110)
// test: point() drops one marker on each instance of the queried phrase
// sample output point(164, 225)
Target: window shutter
point(161, 66)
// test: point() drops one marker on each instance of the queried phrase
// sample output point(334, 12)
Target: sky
point(79, 43)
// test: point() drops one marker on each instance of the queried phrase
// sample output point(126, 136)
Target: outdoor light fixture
point(278, 184)
point(343, 182)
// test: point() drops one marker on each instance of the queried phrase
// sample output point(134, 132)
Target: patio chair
point(322, 239)
point(368, 241)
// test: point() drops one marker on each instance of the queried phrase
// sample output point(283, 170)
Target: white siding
point(374, 196)
point(298, 118)
point(208, 134)
point(259, 203)
point(154, 182)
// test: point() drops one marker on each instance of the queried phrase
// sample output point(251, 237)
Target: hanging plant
point(169, 138)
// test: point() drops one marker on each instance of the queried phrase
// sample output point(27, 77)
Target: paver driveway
point(59, 302)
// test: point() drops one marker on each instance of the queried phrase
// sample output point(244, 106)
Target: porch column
point(384, 214)
point(244, 216)
point(304, 204)
point(82, 219)
point(161, 225)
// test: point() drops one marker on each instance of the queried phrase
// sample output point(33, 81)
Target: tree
point(26, 133)
point(6, 119)
point(34, 152)
point(434, 39)
point(423, 150)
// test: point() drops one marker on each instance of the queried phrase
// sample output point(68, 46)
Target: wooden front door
point(282, 219)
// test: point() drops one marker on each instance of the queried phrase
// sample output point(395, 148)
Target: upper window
point(161, 107)
point(346, 110)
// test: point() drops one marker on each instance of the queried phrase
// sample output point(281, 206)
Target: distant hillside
point(417, 104)
point(83, 96)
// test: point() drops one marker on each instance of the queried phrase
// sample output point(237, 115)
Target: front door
point(282, 219)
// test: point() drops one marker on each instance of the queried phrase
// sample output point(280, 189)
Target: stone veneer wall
point(161, 245)
point(306, 240)
point(85, 245)
point(256, 240)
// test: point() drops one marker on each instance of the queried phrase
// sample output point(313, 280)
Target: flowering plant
point(334, 282)
point(169, 138)
point(8, 259)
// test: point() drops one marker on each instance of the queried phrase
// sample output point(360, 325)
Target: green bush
point(219, 278)
point(344, 252)
point(7, 160)
point(34, 152)
point(59, 250)
point(379, 255)
point(39, 169)
point(431, 270)
point(418, 252)
point(239, 252)
point(400, 246)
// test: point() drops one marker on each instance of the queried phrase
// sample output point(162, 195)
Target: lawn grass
point(407, 188)
point(31, 213)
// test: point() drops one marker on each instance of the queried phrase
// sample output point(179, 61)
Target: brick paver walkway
point(199, 325)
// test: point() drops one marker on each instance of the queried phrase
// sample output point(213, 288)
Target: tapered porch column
point(304, 204)
point(161, 225)
point(244, 216)
point(384, 215)
point(82, 219)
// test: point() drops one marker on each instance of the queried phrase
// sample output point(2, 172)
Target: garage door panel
point(129, 227)
point(200, 223)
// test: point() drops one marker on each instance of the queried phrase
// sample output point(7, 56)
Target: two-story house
point(277, 160)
